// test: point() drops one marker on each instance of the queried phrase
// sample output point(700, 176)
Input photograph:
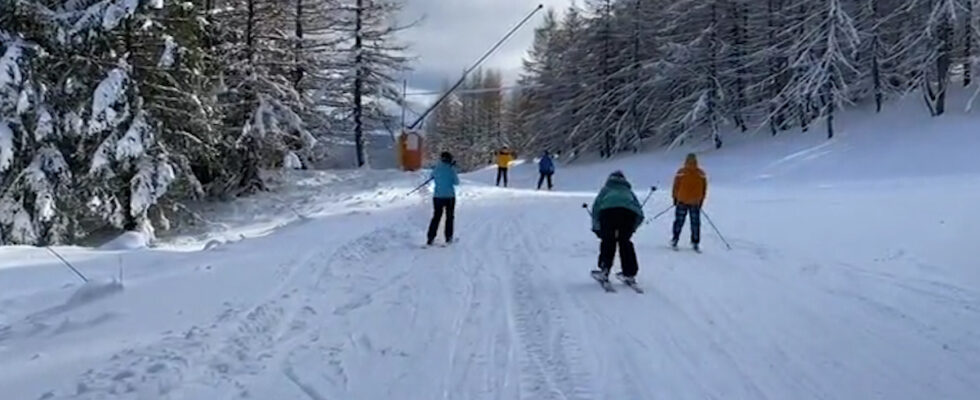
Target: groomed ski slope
point(853, 276)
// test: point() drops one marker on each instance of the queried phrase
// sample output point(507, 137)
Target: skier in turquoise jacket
point(443, 197)
point(616, 214)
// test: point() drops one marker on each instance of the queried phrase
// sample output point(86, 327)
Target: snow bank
point(128, 241)
point(91, 291)
point(295, 196)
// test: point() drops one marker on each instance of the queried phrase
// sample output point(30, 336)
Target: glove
point(676, 202)
point(597, 235)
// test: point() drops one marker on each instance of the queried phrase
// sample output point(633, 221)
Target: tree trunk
point(943, 64)
point(713, 76)
point(359, 84)
point(298, 73)
point(831, 107)
point(606, 57)
point(875, 66)
point(250, 33)
point(634, 115)
point(968, 44)
point(740, 23)
point(774, 65)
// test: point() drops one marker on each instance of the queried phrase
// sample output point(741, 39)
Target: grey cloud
point(454, 33)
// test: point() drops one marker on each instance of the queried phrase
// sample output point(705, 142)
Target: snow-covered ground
point(853, 276)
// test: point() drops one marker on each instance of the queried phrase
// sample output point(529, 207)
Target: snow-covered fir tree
point(692, 70)
point(115, 112)
point(371, 59)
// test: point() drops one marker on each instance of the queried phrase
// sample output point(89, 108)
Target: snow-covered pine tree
point(538, 80)
point(824, 65)
point(318, 56)
point(35, 180)
point(696, 61)
point(491, 103)
point(372, 59)
point(260, 104)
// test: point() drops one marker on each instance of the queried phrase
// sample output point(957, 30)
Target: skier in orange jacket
point(690, 190)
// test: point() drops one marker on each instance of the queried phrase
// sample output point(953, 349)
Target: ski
point(603, 281)
point(635, 287)
point(630, 283)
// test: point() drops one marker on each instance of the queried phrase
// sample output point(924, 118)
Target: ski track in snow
point(509, 312)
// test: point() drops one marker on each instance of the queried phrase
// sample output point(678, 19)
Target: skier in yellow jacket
point(504, 157)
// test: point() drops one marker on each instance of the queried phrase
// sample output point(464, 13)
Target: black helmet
point(446, 157)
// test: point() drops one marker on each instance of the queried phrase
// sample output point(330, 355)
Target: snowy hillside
point(853, 276)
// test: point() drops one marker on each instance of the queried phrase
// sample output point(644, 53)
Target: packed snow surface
point(853, 276)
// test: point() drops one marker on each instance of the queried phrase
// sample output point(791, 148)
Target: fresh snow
point(116, 11)
point(292, 161)
point(152, 180)
point(128, 241)
point(107, 95)
point(6, 146)
point(853, 276)
point(132, 143)
point(10, 75)
point(45, 126)
point(169, 47)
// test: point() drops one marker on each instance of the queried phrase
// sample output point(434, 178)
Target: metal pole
point(652, 189)
point(419, 187)
point(716, 229)
point(404, 99)
point(660, 214)
point(474, 67)
point(663, 212)
point(68, 264)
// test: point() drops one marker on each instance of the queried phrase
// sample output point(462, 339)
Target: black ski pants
point(546, 175)
point(501, 174)
point(616, 227)
point(440, 205)
point(680, 215)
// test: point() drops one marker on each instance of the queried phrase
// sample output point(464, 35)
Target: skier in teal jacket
point(616, 214)
point(443, 197)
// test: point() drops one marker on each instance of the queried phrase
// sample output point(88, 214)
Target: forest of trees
point(606, 75)
point(114, 113)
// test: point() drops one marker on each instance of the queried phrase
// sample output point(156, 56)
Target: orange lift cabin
point(411, 154)
point(410, 151)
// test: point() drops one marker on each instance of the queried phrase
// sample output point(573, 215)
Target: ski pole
point(716, 229)
point(652, 189)
point(68, 264)
point(586, 207)
point(663, 212)
point(419, 187)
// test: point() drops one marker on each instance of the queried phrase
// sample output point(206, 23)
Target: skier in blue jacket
point(547, 169)
point(443, 197)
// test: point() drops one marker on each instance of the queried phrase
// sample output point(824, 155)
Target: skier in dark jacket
point(443, 197)
point(547, 169)
point(616, 214)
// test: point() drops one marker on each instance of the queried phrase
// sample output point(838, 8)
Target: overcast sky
point(454, 33)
